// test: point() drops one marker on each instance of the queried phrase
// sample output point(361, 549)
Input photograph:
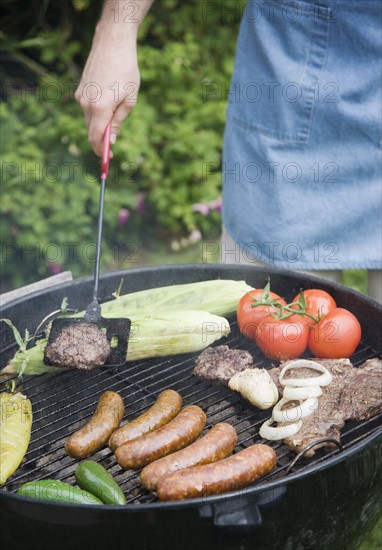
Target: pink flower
point(195, 236)
point(218, 204)
point(201, 207)
point(55, 267)
point(204, 208)
point(140, 205)
point(123, 216)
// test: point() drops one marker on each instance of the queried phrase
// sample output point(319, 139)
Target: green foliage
point(374, 539)
point(355, 278)
point(169, 150)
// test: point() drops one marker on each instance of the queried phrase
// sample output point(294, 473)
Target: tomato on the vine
point(282, 339)
point(336, 336)
point(249, 315)
point(315, 302)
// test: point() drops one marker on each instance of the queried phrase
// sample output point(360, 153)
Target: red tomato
point(318, 304)
point(336, 336)
point(249, 317)
point(282, 339)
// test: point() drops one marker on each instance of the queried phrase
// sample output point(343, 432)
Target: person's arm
point(110, 81)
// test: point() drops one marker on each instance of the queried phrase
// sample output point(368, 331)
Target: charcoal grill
point(328, 502)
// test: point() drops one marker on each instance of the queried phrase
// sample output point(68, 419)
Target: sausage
point(218, 443)
point(164, 409)
point(95, 434)
point(229, 474)
point(175, 435)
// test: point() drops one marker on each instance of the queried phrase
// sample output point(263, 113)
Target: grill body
point(328, 502)
point(329, 509)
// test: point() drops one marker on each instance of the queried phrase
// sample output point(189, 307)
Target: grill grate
point(63, 402)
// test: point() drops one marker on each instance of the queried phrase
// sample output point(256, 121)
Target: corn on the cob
point(169, 333)
point(175, 332)
point(219, 296)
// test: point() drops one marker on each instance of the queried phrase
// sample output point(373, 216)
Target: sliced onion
point(323, 380)
point(280, 432)
point(298, 393)
point(306, 408)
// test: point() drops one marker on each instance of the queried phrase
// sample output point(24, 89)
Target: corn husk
point(219, 296)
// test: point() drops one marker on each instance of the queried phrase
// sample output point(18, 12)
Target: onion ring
point(298, 393)
point(306, 408)
point(281, 432)
point(323, 380)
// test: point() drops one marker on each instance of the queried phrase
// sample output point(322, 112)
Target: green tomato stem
point(297, 309)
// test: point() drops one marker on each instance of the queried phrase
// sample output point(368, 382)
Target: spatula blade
point(117, 332)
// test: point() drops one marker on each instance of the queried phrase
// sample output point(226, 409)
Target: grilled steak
point(361, 397)
point(81, 346)
point(354, 394)
point(220, 363)
point(337, 367)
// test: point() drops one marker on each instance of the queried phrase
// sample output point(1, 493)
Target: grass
point(356, 279)
point(374, 540)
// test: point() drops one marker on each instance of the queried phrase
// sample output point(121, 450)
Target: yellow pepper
point(15, 432)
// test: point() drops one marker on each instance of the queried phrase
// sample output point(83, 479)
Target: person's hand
point(109, 85)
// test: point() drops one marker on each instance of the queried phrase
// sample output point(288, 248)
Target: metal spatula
point(116, 330)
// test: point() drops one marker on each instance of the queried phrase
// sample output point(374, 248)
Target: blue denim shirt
point(302, 149)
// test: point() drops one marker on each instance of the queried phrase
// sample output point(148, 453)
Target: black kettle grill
point(330, 501)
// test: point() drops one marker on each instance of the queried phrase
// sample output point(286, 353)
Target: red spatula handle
point(106, 152)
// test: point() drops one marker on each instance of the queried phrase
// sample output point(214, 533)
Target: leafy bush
point(165, 174)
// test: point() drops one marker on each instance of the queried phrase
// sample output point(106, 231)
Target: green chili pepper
point(93, 477)
point(51, 489)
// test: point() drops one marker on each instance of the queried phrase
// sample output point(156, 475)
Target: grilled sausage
point(95, 434)
point(164, 409)
point(229, 474)
point(175, 435)
point(218, 443)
